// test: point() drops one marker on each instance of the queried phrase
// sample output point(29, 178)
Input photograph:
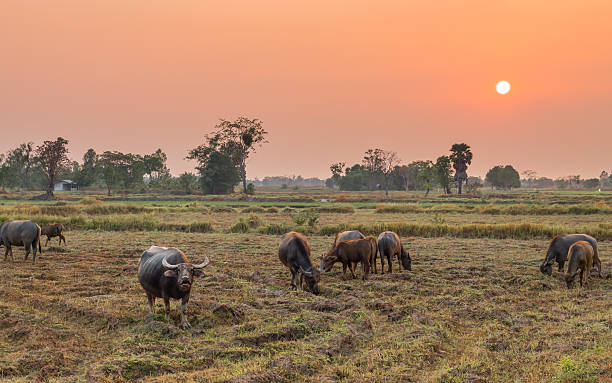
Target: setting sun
point(502, 87)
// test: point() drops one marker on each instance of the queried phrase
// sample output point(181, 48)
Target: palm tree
point(461, 157)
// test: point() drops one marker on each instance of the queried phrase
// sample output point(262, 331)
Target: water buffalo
point(390, 246)
point(294, 252)
point(347, 235)
point(558, 250)
point(166, 273)
point(53, 230)
point(344, 236)
point(20, 233)
point(580, 256)
point(349, 253)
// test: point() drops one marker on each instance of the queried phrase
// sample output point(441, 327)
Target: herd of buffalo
point(167, 273)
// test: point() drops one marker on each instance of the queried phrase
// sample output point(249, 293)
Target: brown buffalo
point(580, 256)
point(294, 252)
point(349, 253)
point(390, 246)
point(53, 230)
point(344, 236)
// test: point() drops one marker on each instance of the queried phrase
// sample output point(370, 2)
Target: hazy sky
point(330, 79)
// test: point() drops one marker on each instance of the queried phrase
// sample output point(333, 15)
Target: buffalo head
point(327, 262)
point(312, 278)
point(405, 258)
point(184, 273)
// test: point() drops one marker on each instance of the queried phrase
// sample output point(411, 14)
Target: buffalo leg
point(167, 304)
point(399, 261)
point(293, 280)
point(34, 247)
point(581, 272)
point(151, 299)
point(62, 238)
point(184, 322)
point(373, 264)
point(366, 269)
point(352, 271)
point(10, 249)
point(47, 242)
point(389, 262)
point(382, 263)
point(27, 250)
point(561, 266)
point(344, 270)
point(6, 251)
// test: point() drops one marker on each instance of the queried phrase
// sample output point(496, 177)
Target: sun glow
point(502, 87)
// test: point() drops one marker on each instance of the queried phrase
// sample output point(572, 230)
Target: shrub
point(335, 209)
point(274, 228)
point(90, 201)
point(239, 227)
point(272, 209)
point(250, 189)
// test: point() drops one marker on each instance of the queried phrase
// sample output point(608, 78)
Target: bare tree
point(381, 162)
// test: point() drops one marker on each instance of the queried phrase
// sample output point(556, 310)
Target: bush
point(239, 227)
point(272, 209)
point(90, 201)
point(274, 228)
point(336, 209)
point(250, 189)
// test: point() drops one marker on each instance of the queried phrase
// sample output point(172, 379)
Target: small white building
point(66, 185)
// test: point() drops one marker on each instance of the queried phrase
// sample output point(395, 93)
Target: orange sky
point(330, 79)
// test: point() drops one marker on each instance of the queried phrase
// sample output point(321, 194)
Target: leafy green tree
point(20, 161)
point(52, 157)
point(425, 175)
point(236, 139)
point(505, 177)
point(155, 164)
point(442, 170)
point(218, 175)
point(112, 166)
point(336, 170)
point(461, 157)
point(188, 181)
point(355, 178)
point(5, 173)
point(88, 172)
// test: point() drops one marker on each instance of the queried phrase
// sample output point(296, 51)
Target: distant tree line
point(221, 166)
point(381, 169)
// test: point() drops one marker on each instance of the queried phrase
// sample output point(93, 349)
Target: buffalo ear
point(197, 272)
point(171, 273)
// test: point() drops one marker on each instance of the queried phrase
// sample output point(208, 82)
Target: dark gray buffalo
point(20, 233)
point(559, 247)
point(390, 246)
point(294, 252)
point(166, 273)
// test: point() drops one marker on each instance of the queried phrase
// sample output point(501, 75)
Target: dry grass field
point(471, 310)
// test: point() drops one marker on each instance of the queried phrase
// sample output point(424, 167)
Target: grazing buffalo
point(294, 252)
point(349, 253)
point(580, 256)
point(347, 235)
point(53, 230)
point(390, 246)
point(558, 250)
point(344, 236)
point(20, 233)
point(166, 273)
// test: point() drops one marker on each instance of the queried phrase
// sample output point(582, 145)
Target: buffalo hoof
point(185, 325)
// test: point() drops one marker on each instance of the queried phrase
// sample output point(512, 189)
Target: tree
point(442, 170)
point(88, 172)
point(503, 177)
point(379, 163)
point(187, 181)
point(52, 157)
point(336, 170)
point(4, 173)
point(219, 175)
point(236, 139)
point(408, 174)
point(155, 164)
point(20, 162)
point(112, 166)
point(461, 157)
point(425, 175)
